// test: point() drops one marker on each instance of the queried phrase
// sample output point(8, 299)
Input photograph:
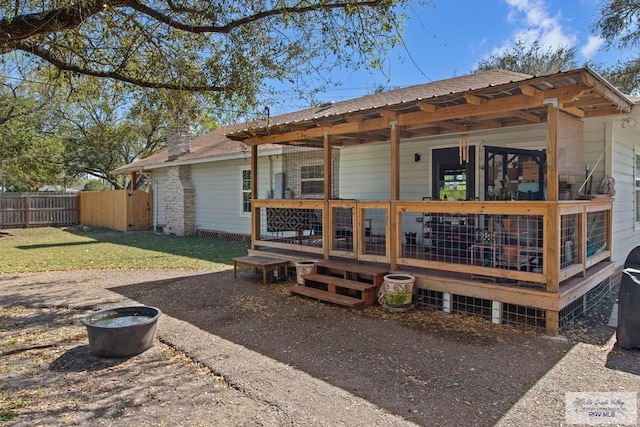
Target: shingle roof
point(210, 146)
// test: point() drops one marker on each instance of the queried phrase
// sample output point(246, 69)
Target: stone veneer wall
point(180, 202)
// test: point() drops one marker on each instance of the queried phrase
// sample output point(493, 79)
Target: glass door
point(453, 180)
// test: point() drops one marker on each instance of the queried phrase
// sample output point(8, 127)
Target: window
point(637, 187)
point(311, 180)
point(246, 191)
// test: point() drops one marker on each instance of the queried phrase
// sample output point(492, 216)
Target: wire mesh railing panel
point(527, 317)
point(568, 240)
point(375, 228)
point(303, 172)
point(596, 232)
point(412, 238)
point(599, 293)
point(291, 225)
point(571, 312)
point(342, 229)
point(428, 298)
point(471, 305)
point(488, 240)
point(583, 305)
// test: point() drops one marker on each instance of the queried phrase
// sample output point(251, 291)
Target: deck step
point(366, 293)
point(353, 267)
point(339, 282)
point(331, 297)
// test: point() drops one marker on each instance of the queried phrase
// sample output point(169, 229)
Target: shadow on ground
point(198, 247)
point(624, 360)
point(427, 366)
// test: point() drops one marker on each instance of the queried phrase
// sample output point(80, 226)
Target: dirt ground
point(423, 366)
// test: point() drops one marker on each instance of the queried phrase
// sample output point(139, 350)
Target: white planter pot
point(302, 268)
point(398, 289)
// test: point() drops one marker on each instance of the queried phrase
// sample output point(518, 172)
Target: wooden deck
point(526, 294)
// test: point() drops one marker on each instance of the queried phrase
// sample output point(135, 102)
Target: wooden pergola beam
point(430, 114)
point(473, 99)
point(528, 116)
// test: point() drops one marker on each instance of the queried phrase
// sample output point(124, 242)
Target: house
point(202, 186)
point(483, 186)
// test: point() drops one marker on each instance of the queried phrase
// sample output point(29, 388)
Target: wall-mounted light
point(629, 123)
point(416, 157)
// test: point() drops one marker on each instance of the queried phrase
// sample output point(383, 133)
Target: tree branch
point(223, 29)
point(36, 50)
point(21, 27)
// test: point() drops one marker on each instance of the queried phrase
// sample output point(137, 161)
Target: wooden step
point(338, 282)
point(371, 270)
point(365, 292)
point(331, 297)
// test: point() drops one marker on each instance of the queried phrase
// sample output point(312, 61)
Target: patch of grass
point(62, 249)
point(9, 406)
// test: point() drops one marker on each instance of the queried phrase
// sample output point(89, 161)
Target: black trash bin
point(628, 331)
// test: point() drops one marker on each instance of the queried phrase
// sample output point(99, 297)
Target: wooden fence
point(117, 209)
point(19, 210)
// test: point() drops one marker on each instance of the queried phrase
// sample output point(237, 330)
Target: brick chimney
point(179, 197)
point(178, 138)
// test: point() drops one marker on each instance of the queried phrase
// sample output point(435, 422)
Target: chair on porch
point(531, 191)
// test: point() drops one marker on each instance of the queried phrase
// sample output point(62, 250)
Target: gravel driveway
point(235, 352)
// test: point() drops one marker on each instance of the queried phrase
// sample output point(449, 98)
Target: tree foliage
point(619, 25)
point(29, 154)
point(103, 126)
point(531, 59)
point(228, 48)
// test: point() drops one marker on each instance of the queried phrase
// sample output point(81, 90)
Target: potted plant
point(513, 170)
point(398, 290)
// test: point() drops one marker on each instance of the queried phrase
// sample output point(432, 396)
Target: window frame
point(244, 191)
point(303, 180)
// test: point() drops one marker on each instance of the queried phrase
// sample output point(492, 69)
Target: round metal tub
point(121, 331)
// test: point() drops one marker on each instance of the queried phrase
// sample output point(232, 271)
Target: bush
point(95, 185)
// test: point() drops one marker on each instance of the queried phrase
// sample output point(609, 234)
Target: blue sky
point(448, 37)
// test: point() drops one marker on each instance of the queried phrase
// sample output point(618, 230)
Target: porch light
point(416, 157)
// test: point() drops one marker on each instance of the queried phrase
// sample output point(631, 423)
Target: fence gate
point(120, 210)
point(140, 213)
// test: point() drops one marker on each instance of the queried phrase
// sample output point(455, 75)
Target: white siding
point(159, 185)
point(365, 170)
point(625, 235)
point(218, 193)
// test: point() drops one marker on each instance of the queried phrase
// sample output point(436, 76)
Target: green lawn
point(56, 249)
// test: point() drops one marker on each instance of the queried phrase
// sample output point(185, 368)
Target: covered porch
point(535, 254)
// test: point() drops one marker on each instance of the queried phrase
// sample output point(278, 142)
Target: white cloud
point(536, 23)
point(594, 43)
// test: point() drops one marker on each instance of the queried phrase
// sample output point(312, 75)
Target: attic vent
point(325, 105)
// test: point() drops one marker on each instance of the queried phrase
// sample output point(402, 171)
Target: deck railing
point(538, 242)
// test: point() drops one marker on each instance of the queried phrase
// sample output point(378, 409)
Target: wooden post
point(327, 166)
point(552, 322)
point(552, 150)
point(326, 240)
point(25, 200)
point(582, 233)
point(552, 248)
point(395, 160)
point(255, 212)
point(395, 193)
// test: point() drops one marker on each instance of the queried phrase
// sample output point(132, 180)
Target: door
point(450, 178)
